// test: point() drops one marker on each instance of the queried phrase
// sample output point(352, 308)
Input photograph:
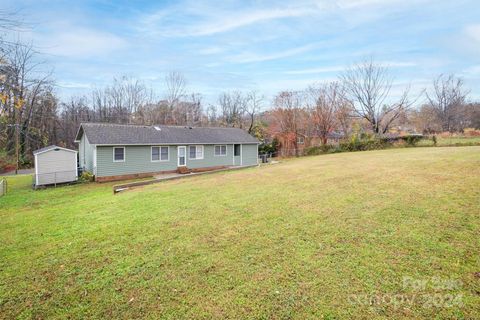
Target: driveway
point(21, 171)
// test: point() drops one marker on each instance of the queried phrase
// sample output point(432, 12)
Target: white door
point(181, 153)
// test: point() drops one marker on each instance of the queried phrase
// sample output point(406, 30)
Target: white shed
point(55, 165)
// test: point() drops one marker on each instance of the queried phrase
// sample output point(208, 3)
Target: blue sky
point(264, 45)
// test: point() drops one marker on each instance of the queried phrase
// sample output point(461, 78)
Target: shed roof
point(117, 134)
point(52, 147)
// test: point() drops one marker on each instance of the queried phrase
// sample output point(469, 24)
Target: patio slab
point(171, 176)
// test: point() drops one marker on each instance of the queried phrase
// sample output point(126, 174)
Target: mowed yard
point(330, 236)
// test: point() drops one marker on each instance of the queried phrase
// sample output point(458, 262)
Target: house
point(114, 152)
point(54, 165)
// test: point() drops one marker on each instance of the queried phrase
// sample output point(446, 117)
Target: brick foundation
point(131, 176)
point(208, 169)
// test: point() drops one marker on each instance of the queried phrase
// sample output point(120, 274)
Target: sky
point(267, 46)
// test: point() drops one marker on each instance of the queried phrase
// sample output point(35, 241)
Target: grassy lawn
point(330, 236)
point(452, 141)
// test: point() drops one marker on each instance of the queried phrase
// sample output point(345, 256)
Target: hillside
point(306, 238)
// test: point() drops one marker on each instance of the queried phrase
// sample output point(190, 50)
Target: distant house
point(114, 152)
point(55, 165)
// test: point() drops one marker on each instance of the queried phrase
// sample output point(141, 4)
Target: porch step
point(183, 170)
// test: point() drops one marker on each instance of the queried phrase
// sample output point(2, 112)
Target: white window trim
point(196, 152)
point(124, 154)
point(300, 140)
point(220, 155)
point(159, 154)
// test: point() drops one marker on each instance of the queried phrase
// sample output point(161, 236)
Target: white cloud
point(81, 42)
point(211, 50)
point(230, 22)
point(472, 71)
point(389, 64)
point(181, 22)
point(70, 85)
point(396, 64)
point(256, 57)
point(317, 70)
point(358, 4)
point(473, 32)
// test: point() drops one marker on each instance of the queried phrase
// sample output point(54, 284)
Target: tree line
point(362, 96)
point(32, 115)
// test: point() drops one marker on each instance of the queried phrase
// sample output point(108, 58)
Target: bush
point(312, 151)
point(86, 177)
point(7, 163)
point(269, 147)
point(326, 148)
point(412, 140)
point(363, 142)
point(471, 132)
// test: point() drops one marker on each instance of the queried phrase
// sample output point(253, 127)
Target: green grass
point(452, 141)
point(291, 240)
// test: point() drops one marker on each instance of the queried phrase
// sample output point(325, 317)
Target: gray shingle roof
point(52, 147)
point(109, 134)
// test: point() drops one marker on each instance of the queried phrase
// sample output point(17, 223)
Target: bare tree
point(325, 102)
point(253, 106)
point(23, 83)
point(367, 86)
point(288, 118)
point(232, 107)
point(175, 85)
point(447, 98)
point(120, 101)
point(212, 115)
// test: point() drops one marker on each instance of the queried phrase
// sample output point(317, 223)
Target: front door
point(181, 152)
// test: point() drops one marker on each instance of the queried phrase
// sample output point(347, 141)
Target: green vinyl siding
point(249, 154)
point(138, 159)
point(209, 158)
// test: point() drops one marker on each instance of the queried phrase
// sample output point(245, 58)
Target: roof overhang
point(171, 144)
point(54, 149)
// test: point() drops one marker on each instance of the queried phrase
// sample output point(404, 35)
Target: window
point(159, 153)
point(195, 152)
point(118, 154)
point(300, 140)
point(221, 150)
point(164, 153)
point(236, 150)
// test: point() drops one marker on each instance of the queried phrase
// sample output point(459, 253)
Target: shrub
point(269, 147)
point(412, 140)
point(326, 148)
point(86, 177)
point(471, 132)
point(7, 163)
point(364, 141)
point(312, 151)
